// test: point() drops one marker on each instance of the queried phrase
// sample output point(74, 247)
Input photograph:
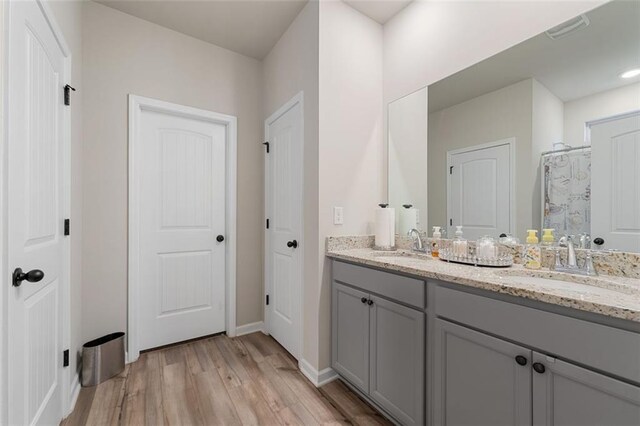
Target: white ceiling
point(587, 61)
point(379, 10)
point(249, 27)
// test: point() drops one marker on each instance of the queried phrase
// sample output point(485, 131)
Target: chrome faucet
point(417, 241)
point(572, 264)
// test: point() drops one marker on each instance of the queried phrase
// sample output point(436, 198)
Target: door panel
point(477, 379)
point(284, 210)
point(566, 394)
point(615, 183)
point(36, 212)
point(182, 199)
point(480, 191)
point(350, 335)
point(397, 360)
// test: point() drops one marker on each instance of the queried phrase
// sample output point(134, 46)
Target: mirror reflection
point(545, 134)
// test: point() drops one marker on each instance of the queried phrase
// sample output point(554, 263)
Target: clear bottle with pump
point(548, 239)
point(460, 245)
point(532, 256)
point(435, 242)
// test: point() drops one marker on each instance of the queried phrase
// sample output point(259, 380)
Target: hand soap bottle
point(435, 242)
point(460, 246)
point(532, 256)
point(548, 238)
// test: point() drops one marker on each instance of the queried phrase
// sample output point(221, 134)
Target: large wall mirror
point(545, 134)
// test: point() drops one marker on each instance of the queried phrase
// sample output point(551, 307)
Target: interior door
point(565, 394)
point(479, 195)
point(284, 235)
point(182, 226)
point(615, 182)
point(36, 205)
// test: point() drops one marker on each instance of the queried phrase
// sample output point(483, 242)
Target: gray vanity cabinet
point(565, 394)
point(350, 333)
point(397, 360)
point(478, 379)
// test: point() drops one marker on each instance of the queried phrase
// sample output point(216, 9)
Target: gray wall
point(123, 55)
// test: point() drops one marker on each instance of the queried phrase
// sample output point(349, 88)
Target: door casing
point(297, 99)
point(68, 399)
point(136, 105)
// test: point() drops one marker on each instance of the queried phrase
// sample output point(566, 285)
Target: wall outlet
point(338, 216)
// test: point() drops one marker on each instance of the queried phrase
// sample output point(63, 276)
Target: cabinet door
point(565, 394)
point(397, 360)
point(478, 380)
point(350, 334)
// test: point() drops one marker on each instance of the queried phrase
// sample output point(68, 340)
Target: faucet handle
point(589, 268)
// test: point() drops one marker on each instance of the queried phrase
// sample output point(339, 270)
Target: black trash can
point(102, 358)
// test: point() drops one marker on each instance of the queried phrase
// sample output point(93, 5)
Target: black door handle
point(539, 368)
point(292, 244)
point(220, 238)
point(33, 276)
point(521, 360)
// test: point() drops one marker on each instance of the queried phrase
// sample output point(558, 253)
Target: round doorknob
point(539, 368)
point(521, 360)
point(598, 241)
point(292, 244)
point(33, 276)
point(220, 238)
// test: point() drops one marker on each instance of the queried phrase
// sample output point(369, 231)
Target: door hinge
point(65, 358)
point(267, 299)
point(67, 95)
point(266, 144)
point(267, 223)
point(67, 226)
point(450, 170)
point(450, 222)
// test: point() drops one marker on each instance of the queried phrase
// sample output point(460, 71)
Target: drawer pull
point(521, 360)
point(539, 368)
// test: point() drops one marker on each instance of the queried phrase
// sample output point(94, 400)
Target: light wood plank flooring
point(248, 380)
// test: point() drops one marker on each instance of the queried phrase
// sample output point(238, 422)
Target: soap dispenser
point(435, 242)
point(460, 245)
point(548, 239)
point(532, 257)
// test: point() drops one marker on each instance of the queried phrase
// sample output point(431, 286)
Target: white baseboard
point(250, 328)
point(318, 378)
point(75, 392)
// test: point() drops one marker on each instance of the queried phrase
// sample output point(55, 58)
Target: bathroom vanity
point(428, 342)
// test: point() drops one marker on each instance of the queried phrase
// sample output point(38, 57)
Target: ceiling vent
point(568, 27)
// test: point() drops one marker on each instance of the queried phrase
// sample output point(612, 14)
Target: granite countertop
point(613, 296)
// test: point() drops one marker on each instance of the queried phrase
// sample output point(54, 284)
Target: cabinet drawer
point(406, 290)
point(608, 349)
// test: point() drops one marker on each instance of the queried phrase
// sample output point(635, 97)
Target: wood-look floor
point(248, 380)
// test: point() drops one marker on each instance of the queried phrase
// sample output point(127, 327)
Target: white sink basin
point(400, 256)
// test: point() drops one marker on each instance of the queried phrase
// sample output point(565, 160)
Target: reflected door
point(479, 190)
point(615, 182)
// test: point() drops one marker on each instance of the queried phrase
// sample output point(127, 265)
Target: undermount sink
point(565, 282)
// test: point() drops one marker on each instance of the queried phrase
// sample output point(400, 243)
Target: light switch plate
point(338, 216)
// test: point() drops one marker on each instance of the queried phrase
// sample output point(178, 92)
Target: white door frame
point(68, 400)
point(512, 183)
point(297, 99)
point(136, 105)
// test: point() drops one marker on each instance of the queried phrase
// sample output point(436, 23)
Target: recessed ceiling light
point(631, 73)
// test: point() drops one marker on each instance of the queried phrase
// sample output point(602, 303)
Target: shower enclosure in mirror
point(543, 134)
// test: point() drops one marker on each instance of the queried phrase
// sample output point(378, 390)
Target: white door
point(615, 182)
point(36, 205)
point(284, 211)
point(480, 188)
point(181, 227)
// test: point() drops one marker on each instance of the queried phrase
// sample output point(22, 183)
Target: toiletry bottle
point(532, 254)
point(548, 238)
point(460, 245)
point(435, 242)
